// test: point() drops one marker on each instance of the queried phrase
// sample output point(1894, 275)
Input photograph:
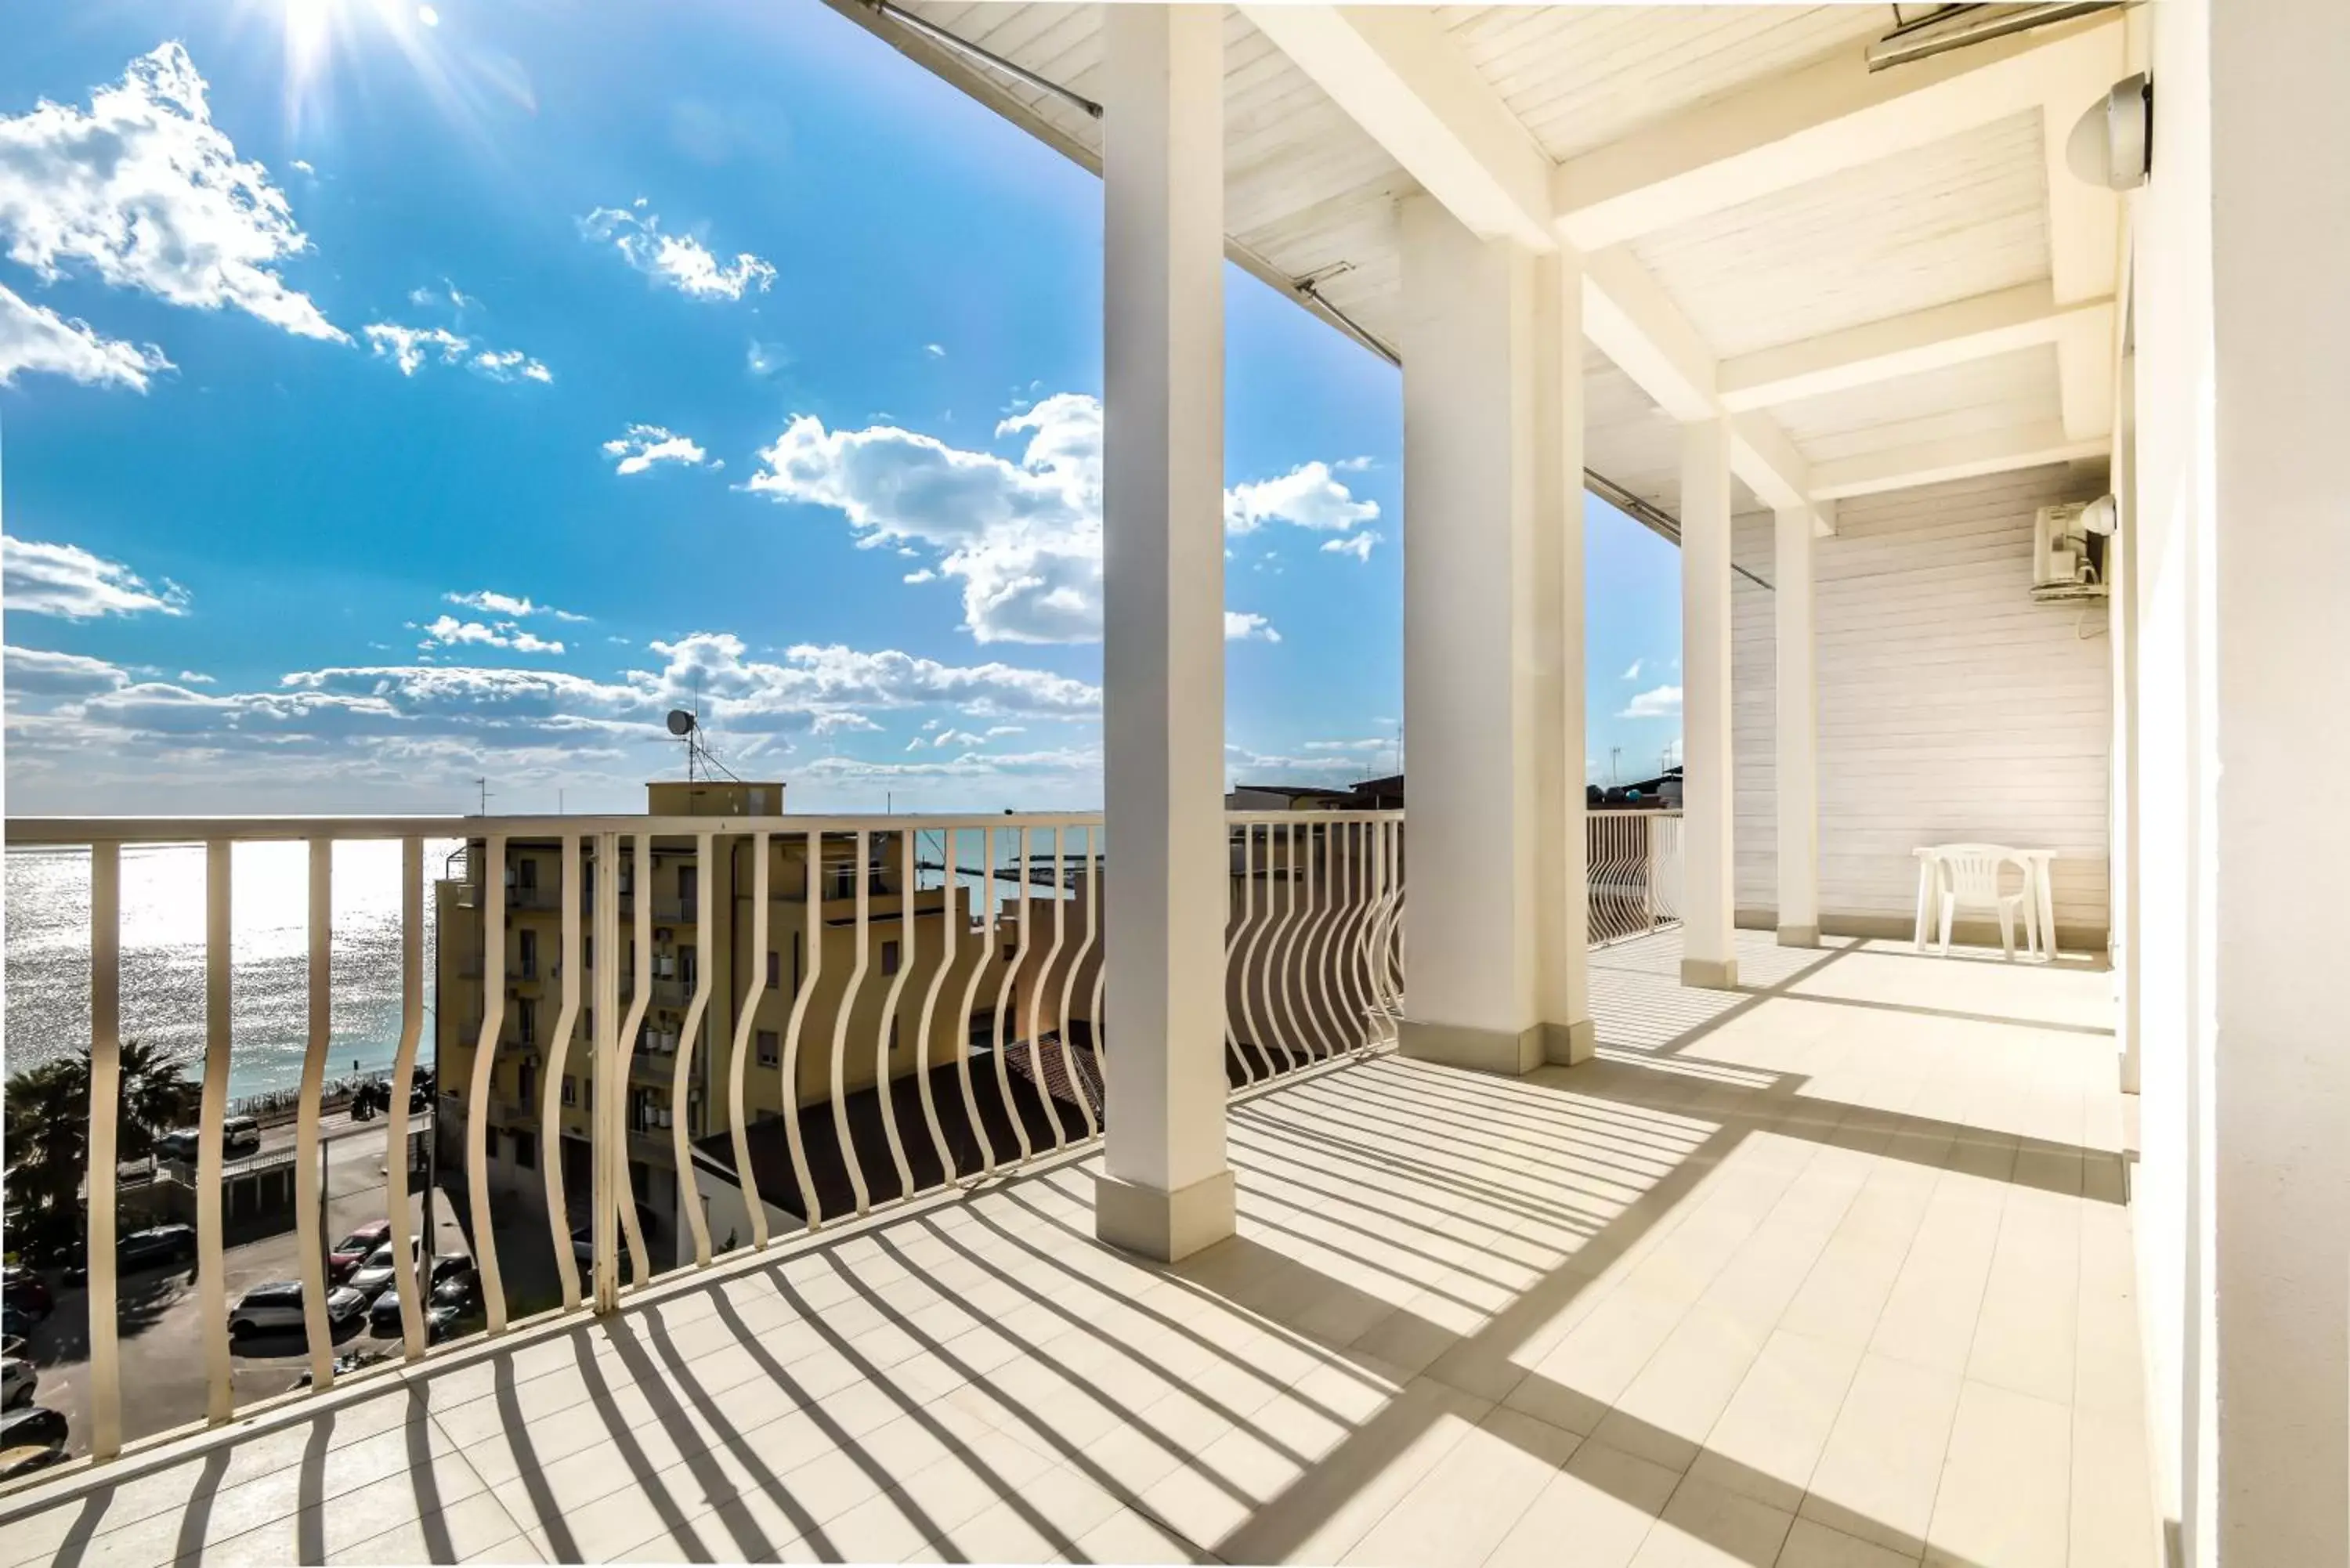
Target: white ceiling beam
point(1816, 120)
point(1393, 69)
point(2084, 242)
point(1991, 324)
point(1964, 458)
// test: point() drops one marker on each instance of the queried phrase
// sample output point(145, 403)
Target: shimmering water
point(46, 1007)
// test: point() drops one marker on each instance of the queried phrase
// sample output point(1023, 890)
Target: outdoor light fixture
point(2113, 144)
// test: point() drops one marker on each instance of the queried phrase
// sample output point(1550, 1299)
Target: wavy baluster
point(309, 1197)
point(1036, 991)
point(842, 1012)
point(745, 1023)
point(105, 1119)
point(689, 1042)
point(492, 882)
point(970, 995)
point(812, 922)
point(885, 1035)
point(410, 1293)
point(559, 1066)
point(948, 920)
point(624, 1053)
point(1069, 982)
point(1005, 1003)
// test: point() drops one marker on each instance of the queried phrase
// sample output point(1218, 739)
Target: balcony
point(1838, 1260)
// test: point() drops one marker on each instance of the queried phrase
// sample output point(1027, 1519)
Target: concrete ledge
point(1165, 1226)
point(1480, 1050)
point(1565, 1044)
point(1710, 974)
point(1799, 936)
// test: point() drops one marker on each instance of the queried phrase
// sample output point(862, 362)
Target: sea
point(45, 1010)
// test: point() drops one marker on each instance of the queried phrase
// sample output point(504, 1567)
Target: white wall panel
point(1951, 706)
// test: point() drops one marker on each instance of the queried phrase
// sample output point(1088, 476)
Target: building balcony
point(1838, 1261)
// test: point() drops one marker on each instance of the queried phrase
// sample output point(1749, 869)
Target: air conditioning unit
point(2068, 551)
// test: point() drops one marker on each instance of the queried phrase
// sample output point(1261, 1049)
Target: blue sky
point(391, 395)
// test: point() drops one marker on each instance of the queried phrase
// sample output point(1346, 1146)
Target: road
point(162, 1335)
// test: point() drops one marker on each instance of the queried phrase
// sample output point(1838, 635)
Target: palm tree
point(47, 1120)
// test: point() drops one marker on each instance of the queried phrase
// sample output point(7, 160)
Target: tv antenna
point(685, 723)
point(484, 786)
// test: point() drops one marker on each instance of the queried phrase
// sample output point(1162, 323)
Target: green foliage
point(47, 1111)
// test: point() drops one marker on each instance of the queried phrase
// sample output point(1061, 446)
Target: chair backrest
point(1971, 871)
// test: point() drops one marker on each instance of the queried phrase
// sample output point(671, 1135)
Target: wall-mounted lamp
point(2112, 146)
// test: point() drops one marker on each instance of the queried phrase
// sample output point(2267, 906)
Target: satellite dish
point(680, 722)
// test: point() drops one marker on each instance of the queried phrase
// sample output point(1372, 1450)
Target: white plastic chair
point(1971, 878)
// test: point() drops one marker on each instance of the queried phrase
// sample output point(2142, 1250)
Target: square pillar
point(1795, 732)
point(1708, 904)
point(1563, 885)
point(1167, 1191)
point(1491, 337)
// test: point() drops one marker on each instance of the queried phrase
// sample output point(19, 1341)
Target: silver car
point(276, 1307)
point(17, 1380)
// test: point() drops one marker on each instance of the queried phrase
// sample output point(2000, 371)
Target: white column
point(1795, 733)
point(1493, 646)
point(1709, 911)
point(1562, 930)
point(1167, 1191)
point(2275, 687)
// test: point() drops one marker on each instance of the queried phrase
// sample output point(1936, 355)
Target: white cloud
point(923, 576)
point(303, 164)
point(1242, 626)
point(1656, 702)
point(35, 339)
point(765, 359)
point(409, 346)
point(33, 672)
point(645, 445)
point(1352, 464)
point(1307, 495)
point(1374, 743)
point(1074, 760)
point(67, 581)
point(448, 630)
point(1022, 536)
point(934, 350)
point(1239, 759)
point(839, 719)
point(192, 678)
point(957, 738)
point(148, 193)
point(995, 729)
point(1356, 545)
point(680, 261)
point(448, 294)
point(491, 602)
point(1633, 673)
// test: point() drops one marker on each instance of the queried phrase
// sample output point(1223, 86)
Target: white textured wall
point(1951, 706)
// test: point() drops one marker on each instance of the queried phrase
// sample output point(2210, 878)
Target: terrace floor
point(1834, 1271)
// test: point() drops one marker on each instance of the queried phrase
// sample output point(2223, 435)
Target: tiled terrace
point(1834, 1271)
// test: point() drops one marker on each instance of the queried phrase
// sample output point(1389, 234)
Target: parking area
point(161, 1329)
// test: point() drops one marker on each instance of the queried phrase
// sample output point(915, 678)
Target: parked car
point(17, 1380)
point(378, 1270)
point(25, 1291)
point(31, 1436)
point(157, 1246)
point(455, 1283)
point(15, 1326)
point(353, 1250)
point(278, 1306)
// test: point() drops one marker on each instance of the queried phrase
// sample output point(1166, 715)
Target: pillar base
point(1567, 1045)
point(1799, 936)
point(1164, 1226)
point(1510, 1053)
point(1710, 974)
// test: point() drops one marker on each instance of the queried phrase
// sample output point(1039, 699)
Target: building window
point(527, 873)
point(528, 944)
point(687, 966)
point(525, 1153)
point(527, 1012)
point(570, 1090)
point(689, 884)
point(526, 1078)
point(770, 1051)
point(888, 957)
point(587, 952)
point(775, 971)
